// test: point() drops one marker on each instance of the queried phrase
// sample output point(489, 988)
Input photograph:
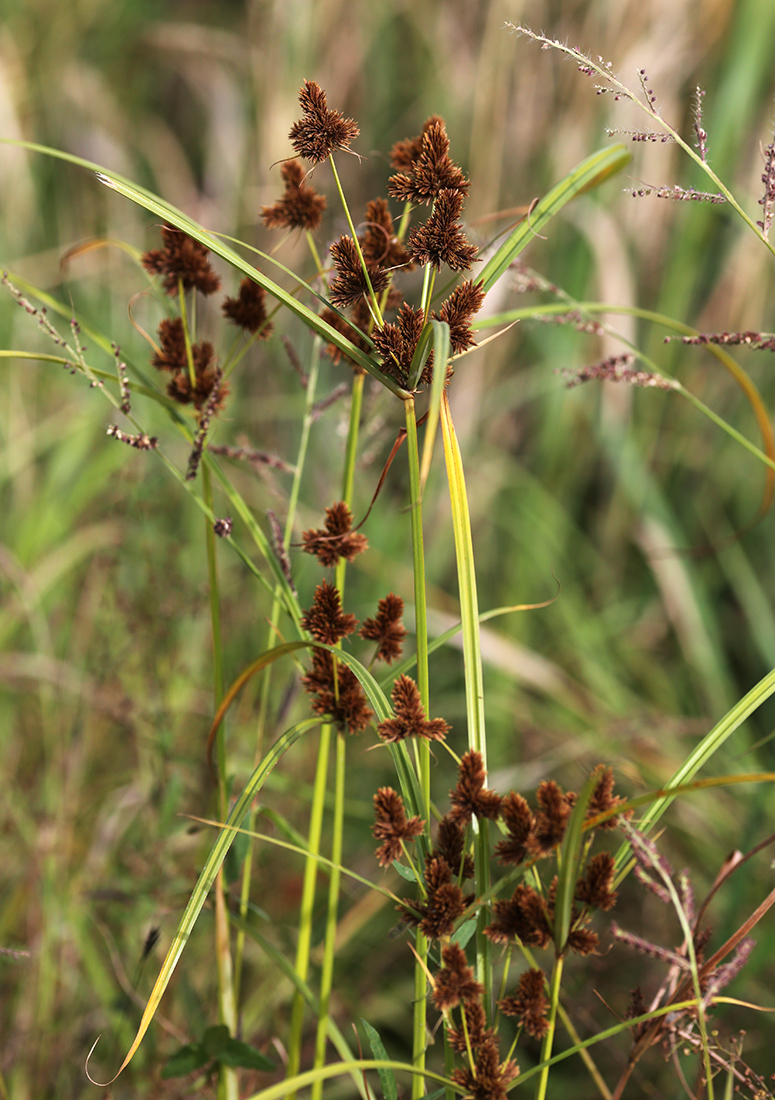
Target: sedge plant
point(506, 891)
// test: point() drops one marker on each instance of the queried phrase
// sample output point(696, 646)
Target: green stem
point(372, 295)
point(419, 1040)
point(329, 952)
point(546, 1048)
point(304, 944)
point(227, 1011)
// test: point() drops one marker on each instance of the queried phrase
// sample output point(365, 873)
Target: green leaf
point(404, 872)
point(387, 1077)
point(440, 332)
point(215, 1039)
point(463, 934)
point(569, 866)
point(237, 1053)
point(184, 1061)
point(591, 172)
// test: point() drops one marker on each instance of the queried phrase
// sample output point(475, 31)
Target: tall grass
point(110, 615)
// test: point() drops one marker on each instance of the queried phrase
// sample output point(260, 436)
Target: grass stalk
point(271, 634)
point(227, 1009)
point(548, 1040)
point(419, 1038)
point(329, 950)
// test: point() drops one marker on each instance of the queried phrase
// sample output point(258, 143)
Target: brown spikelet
point(441, 240)
point(603, 799)
point(320, 131)
point(386, 628)
point(455, 982)
point(248, 309)
point(427, 166)
point(519, 822)
point(529, 1004)
point(450, 844)
point(346, 705)
point(396, 342)
point(464, 302)
point(410, 720)
point(470, 797)
point(392, 826)
point(336, 539)
point(596, 887)
point(551, 819)
point(379, 244)
point(184, 259)
point(349, 282)
point(523, 917)
point(489, 1078)
point(325, 620)
point(300, 206)
point(476, 1029)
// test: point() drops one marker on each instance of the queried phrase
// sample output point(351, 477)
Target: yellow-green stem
point(227, 1011)
point(421, 629)
point(548, 1041)
point(329, 953)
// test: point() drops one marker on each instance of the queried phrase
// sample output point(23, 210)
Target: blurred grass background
point(105, 677)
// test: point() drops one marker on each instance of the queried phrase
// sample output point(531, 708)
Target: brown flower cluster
point(325, 620)
point(336, 691)
point(392, 826)
point(349, 282)
point(471, 798)
point(533, 835)
point(182, 260)
point(320, 131)
point(386, 629)
point(248, 309)
point(299, 207)
point(529, 1004)
point(454, 986)
point(171, 356)
point(441, 239)
point(410, 720)
point(426, 174)
point(443, 904)
point(427, 168)
point(396, 342)
point(334, 688)
point(336, 539)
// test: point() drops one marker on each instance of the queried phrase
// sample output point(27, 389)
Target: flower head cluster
point(171, 356)
point(386, 628)
point(300, 206)
point(529, 1004)
point(410, 720)
point(336, 539)
point(392, 826)
point(427, 167)
point(349, 283)
point(320, 131)
point(444, 902)
point(248, 310)
point(182, 261)
point(441, 239)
